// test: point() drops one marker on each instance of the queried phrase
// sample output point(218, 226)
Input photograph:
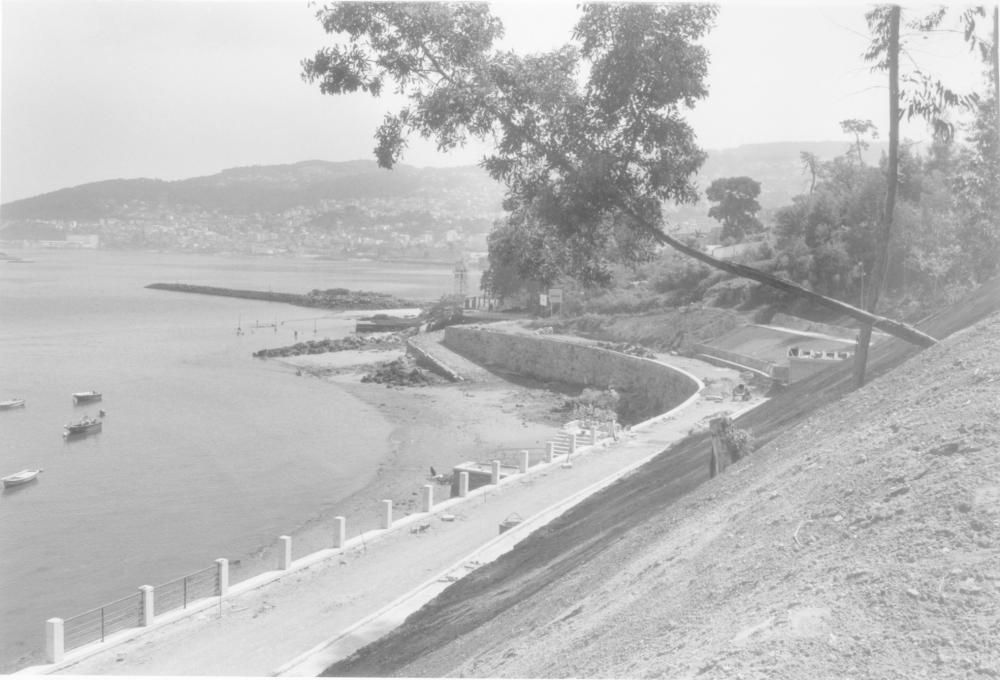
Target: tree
point(860, 129)
point(810, 164)
point(930, 100)
point(737, 206)
point(581, 153)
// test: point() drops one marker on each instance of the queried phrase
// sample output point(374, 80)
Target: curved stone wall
point(657, 386)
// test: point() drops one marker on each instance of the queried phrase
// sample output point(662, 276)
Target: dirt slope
point(860, 543)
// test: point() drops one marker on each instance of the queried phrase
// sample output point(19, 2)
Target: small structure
point(803, 363)
point(510, 522)
point(722, 457)
point(479, 474)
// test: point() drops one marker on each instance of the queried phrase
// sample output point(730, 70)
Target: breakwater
point(333, 298)
point(647, 387)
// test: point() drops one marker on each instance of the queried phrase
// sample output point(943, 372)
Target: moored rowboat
point(11, 403)
point(84, 426)
point(22, 477)
point(83, 397)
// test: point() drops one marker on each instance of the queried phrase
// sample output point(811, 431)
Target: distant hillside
point(268, 189)
point(273, 189)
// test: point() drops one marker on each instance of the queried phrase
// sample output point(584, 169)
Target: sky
point(104, 89)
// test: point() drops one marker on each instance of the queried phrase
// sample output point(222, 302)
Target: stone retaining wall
point(657, 386)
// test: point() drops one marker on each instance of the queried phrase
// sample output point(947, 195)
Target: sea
point(205, 451)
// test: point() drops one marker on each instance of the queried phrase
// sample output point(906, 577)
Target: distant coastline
point(334, 298)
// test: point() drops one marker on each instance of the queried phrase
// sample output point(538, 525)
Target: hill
point(312, 185)
point(259, 189)
point(831, 552)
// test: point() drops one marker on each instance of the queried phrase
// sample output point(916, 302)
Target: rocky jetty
point(332, 298)
point(381, 341)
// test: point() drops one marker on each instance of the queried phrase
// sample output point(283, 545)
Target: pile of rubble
point(402, 372)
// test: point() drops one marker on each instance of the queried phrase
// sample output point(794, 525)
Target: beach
point(435, 426)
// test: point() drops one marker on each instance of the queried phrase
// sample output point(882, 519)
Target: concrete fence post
point(427, 498)
point(572, 443)
point(285, 553)
point(593, 434)
point(463, 484)
point(223, 572)
point(523, 467)
point(386, 514)
point(339, 531)
point(54, 640)
point(550, 452)
point(148, 606)
point(495, 470)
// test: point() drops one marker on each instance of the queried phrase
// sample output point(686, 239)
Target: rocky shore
point(333, 298)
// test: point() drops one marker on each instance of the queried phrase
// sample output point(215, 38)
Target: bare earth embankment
point(861, 541)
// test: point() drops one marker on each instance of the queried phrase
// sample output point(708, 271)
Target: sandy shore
point(437, 426)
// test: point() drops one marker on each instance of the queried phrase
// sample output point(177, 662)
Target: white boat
point(11, 403)
point(22, 477)
point(84, 397)
point(83, 426)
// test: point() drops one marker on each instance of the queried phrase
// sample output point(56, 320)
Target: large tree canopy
point(586, 138)
point(737, 206)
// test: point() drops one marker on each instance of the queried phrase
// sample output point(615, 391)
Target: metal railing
point(97, 624)
point(178, 593)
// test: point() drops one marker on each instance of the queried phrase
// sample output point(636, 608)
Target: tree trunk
point(885, 235)
point(995, 58)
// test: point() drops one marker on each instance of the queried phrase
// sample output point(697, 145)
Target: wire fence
point(178, 593)
point(97, 624)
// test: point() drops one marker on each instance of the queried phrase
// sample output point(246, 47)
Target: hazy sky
point(103, 89)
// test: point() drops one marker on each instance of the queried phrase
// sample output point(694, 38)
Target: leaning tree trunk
point(885, 233)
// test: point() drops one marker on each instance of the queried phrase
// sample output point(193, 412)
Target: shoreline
point(425, 431)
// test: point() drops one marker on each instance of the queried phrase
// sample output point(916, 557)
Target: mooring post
point(495, 470)
point(285, 553)
point(148, 606)
point(386, 513)
point(427, 498)
point(339, 531)
point(463, 484)
point(223, 575)
point(54, 640)
point(523, 467)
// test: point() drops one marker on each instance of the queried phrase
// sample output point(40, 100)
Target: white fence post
point(223, 567)
point(386, 514)
point(593, 434)
point(148, 606)
point(428, 498)
point(54, 640)
point(463, 484)
point(550, 452)
point(572, 443)
point(524, 462)
point(339, 531)
point(495, 477)
point(285, 554)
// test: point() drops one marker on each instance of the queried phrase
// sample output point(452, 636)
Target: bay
point(205, 451)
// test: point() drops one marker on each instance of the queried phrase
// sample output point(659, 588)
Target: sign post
point(555, 298)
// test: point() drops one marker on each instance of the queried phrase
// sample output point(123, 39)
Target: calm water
point(205, 452)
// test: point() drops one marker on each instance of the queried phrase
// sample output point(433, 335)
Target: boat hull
point(13, 403)
point(86, 397)
point(23, 477)
point(77, 430)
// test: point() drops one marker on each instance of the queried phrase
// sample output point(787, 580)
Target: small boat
point(11, 403)
point(22, 477)
point(85, 425)
point(85, 397)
